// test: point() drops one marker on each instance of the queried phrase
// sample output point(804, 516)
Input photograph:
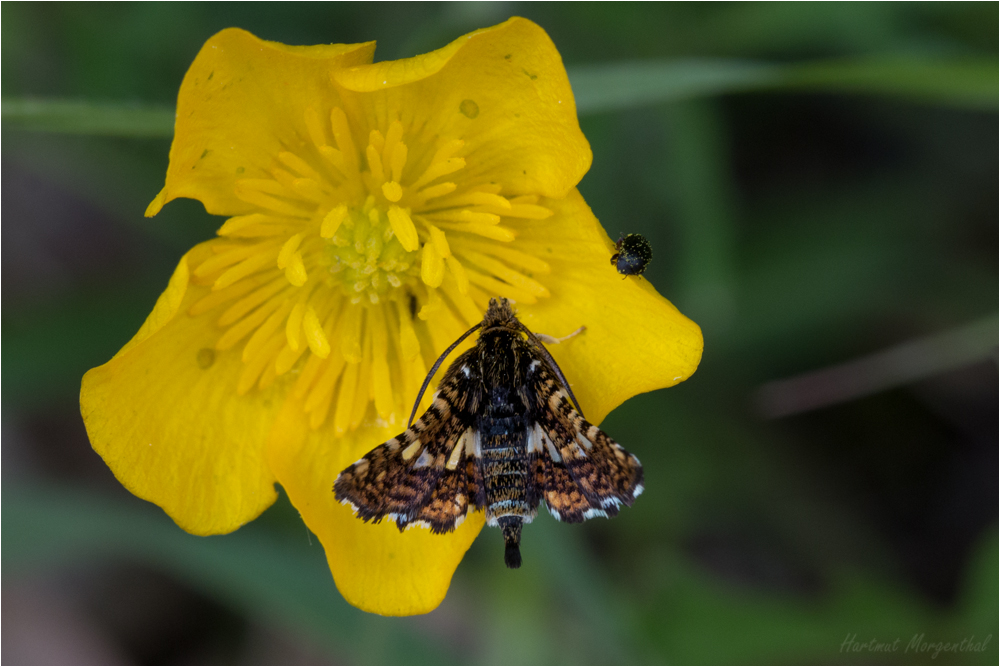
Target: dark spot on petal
point(205, 357)
point(203, 154)
point(530, 75)
point(211, 74)
point(507, 57)
point(240, 170)
point(469, 108)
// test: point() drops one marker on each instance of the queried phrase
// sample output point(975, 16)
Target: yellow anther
point(374, 163)
point(293, 325)
point(440, 241)
point(438, 169)
point(495, 232)
point(287, 250)
point(238, 222)
point(298, 165)
point(376, 140)
point(309, 189)
point(251, 301)
point(392, 139)
point(433, 305)
point(403, 227)
point(431, 266)
point(240, 329)
point(439, 190)
point(265, 332)
point(397, 161)
point(315, 336)
point(332, 220)
point(245, 268)
point(458, 271)
point(286, 359)
point(295, 272)
point(342, 135)
point(392, 190)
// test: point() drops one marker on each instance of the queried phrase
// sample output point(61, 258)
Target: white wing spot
point(418, 524)
point(354, 508)
point(424, 460)
point(535, 442)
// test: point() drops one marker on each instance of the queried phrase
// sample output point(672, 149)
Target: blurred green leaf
point(83, 117)
point(970, 84)
point(263, 574)
point(612, 87)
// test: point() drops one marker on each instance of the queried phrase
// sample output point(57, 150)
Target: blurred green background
point(819, 183)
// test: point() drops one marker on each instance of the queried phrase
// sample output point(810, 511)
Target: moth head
point(500, 314)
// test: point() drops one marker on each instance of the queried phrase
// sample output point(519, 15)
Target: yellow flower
point(373, 211)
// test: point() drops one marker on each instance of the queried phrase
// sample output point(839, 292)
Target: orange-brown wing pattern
point(420, 477)
point(578, 470)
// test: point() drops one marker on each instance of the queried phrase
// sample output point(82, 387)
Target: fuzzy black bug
point(633, 256)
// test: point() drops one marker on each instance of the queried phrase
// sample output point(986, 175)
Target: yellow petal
point(376, 568)
point(503, 90)
point(165, 416)
point(636, 341)
point(241, 103)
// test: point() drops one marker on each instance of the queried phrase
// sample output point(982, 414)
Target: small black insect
point(633, 256)
point(503, 433)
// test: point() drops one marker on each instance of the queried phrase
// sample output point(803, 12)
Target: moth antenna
point(437, 364)
point(552, 362)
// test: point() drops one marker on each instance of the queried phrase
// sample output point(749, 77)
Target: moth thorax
point(511, 528)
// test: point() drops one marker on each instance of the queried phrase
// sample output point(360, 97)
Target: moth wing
point(448, 503)
point(578, 469)
point(425, 475)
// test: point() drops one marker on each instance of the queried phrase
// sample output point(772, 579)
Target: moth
point(503, 433)
point(633, 256)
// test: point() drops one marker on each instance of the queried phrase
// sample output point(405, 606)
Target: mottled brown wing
point(578, 470)
point(425, 475)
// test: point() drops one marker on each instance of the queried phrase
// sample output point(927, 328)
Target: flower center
point(368, 258)
point(360, 263)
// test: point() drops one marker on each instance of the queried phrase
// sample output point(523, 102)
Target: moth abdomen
point(505, 476)
point(511, 528)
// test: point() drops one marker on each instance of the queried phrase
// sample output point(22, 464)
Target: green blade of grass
point(83, 117)
point(968, 84)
